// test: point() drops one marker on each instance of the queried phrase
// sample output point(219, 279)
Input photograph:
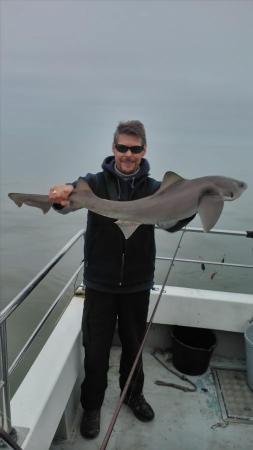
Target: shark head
point(234, 189)
point(230, 188)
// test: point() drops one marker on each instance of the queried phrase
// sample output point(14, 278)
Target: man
point(118, 276)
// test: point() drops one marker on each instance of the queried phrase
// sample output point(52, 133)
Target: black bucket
point(192, 349)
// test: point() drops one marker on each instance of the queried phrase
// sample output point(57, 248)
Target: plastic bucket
point(192, 349)
point(248, 335)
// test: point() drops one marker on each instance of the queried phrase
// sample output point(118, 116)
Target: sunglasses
point(134, 149)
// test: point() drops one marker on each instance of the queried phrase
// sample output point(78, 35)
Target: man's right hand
point(60, 194)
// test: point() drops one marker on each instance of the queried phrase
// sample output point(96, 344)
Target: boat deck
point(184, 420)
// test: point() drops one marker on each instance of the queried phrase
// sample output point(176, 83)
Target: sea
point(71, 71)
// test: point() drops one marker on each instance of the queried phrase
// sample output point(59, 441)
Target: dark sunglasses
point(134, 149)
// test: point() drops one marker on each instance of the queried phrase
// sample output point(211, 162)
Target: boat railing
point(6, 370)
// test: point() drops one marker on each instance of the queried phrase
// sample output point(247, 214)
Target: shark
point(176, 199)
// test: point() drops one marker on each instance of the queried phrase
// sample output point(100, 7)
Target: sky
point(71, 70)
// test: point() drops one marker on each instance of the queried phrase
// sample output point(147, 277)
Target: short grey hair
point(131, 127)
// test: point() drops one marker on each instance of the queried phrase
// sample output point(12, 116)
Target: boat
point(210, 407)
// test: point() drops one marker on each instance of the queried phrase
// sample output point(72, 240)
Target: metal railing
point(248, 234)
point(6, 371)
point(5, 411)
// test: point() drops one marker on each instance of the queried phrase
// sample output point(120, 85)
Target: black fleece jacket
point(111, 262)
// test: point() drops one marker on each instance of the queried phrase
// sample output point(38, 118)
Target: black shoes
point(90, 424)
point(141, 409)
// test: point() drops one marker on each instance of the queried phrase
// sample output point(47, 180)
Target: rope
point(179, 375)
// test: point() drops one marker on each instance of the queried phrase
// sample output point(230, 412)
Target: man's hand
point(60, 194)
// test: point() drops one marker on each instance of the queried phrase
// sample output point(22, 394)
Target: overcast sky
point(72, 69)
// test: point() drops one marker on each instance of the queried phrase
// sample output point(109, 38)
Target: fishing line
point(123, 393)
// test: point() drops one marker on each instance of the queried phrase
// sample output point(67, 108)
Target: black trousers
point(101, 311)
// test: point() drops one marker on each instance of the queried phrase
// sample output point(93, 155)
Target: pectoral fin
point(127, 228)
point(210, 209)
point(167, 225)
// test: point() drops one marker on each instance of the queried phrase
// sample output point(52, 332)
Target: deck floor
point(183, 421)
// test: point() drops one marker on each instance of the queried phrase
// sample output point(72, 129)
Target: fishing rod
point(123, 394)
point(6, 438)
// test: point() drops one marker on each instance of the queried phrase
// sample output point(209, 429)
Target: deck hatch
point(235, 397)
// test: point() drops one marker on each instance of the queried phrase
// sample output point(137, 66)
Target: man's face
point(128, 162)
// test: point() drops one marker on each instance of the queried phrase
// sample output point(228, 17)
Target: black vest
point(111, 262)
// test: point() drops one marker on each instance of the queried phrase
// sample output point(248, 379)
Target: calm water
point(73, 70)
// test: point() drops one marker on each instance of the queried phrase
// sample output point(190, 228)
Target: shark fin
point(210, 209)
point(15, 198)
point(167, 225)
point(82, 185)
point(169, 179)
point(127, 228)
point(45, 207)
point(36, 200)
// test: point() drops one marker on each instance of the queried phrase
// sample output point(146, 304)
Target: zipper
point(122, 268)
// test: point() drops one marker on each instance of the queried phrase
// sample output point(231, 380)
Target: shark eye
point(231, 194)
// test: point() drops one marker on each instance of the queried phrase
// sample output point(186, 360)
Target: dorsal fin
point(82, 185)
point(170, 178)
